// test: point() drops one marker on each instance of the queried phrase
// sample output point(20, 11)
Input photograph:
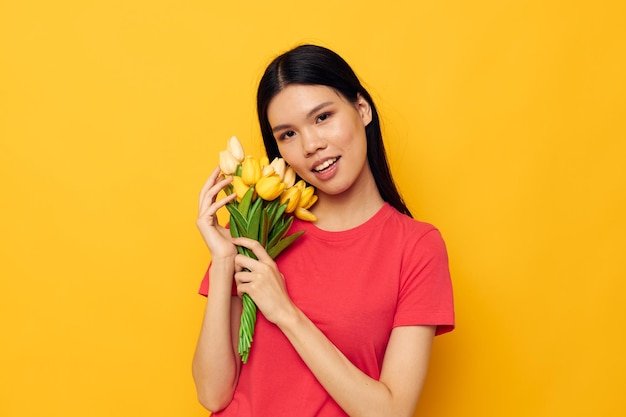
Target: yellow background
point(505, 127)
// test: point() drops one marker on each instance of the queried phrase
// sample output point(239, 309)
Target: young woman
point(348, 313)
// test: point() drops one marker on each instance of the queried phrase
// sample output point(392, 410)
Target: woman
point(349, 311)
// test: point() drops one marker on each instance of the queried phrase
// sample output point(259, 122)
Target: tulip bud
point(289, 178)
point(269, 187)
point(292, 197)
point(235, 149)
point(308, 205)
point(307, 198)
point(304, 214)
point(264, 161)
point(301, 184)
point(228, 164)
point(250, 170)
point(279, 167)
point(239, 187)
point(267, 170)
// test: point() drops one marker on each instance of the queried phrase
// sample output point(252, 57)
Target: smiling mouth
point(325, 165)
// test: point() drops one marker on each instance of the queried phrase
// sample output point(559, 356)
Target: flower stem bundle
point(267, 201)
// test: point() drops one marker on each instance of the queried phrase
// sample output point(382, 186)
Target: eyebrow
point(308, 115)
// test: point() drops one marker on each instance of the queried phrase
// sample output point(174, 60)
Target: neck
point(349, 209)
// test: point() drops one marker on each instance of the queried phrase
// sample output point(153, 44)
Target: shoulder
point(418, 243)
point(412, 230)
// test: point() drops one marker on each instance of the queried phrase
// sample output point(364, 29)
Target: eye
point(288, 134)
point(322, 117)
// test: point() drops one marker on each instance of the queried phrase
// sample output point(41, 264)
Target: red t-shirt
point(356, 286)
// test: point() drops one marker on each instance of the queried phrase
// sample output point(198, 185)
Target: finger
point(210, 181)
point(209, 195)
point(211, 189)
point(255, 247)
point(209, 210)
point(243, 262)
point(243, 277)
point(242, 289)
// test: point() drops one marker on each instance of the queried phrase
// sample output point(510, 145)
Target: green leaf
point(279, 231)
point(237, 218)
point(244, 205)
point(253, 227)
point(248, 253)
point(264, 228)
point(283, 244)
point(254, 220)
point(234, 232)
point(270, 208)
point(234, 229)
point(246, 328)
point(279, 213)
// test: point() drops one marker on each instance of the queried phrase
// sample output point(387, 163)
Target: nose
point(311, 143)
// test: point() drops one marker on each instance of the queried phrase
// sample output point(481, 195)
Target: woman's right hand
point(216, 237)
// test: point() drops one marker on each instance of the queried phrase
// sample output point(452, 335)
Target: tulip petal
point(279, 167)
point(267, 170)
point(310, 203)
point(289, 178)
point(269, 187)
point(228, 164)
point(251, 170)
point(235, 148)
point(239, 187)
point(304, 214)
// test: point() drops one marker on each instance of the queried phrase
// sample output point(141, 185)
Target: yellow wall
point(505, 127)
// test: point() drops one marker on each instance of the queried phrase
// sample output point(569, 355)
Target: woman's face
point(322, 136)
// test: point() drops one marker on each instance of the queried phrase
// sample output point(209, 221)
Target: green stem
point(246, 328)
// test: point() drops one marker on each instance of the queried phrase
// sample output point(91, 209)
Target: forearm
point(355, 392)
point(215, 363)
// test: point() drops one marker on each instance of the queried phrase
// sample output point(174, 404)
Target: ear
point(364, 108)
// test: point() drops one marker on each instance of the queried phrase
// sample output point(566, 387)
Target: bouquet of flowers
point(268, 197)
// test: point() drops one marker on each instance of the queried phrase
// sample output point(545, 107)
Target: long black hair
point(316, 65)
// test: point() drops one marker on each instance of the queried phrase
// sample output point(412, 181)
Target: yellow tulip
point(228, 164)
point(310, 203)
point(264, 161)
point(235, 149)
point(279, 167)
point(250, 170)
point(239, 187)
point(304, 214)
point(267, 170)
point(269, 187)
point(292, 195)
point(289, 178)
point(301, 185)
point(306, 199)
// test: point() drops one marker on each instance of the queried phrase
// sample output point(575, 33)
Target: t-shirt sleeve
point(425, 294)
point(204, 284)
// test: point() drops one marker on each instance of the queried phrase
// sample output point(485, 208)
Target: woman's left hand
point(262, 281)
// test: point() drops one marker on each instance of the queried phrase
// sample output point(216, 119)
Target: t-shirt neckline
point(357, 231)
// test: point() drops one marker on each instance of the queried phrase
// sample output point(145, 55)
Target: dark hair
point(316, 65)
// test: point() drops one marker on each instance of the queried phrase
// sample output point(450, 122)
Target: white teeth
point(325, 165)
